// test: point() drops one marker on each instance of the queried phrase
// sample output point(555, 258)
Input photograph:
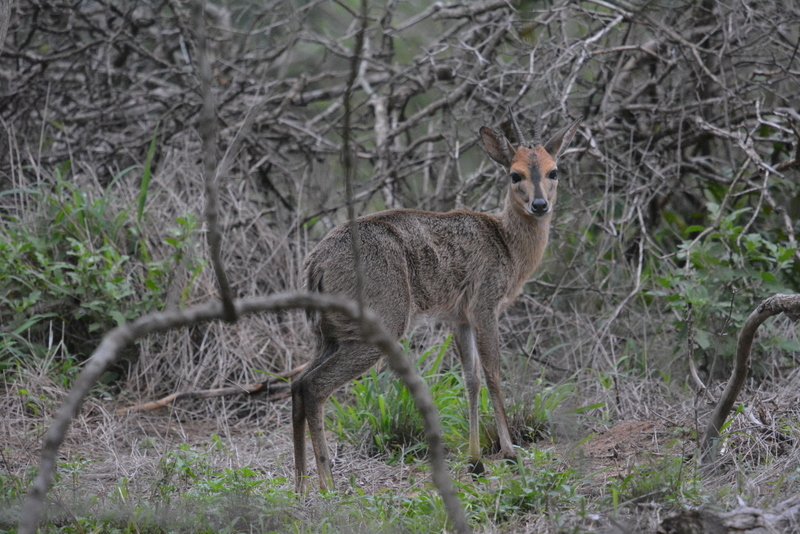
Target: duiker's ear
point(497, 146)
point(561, 140)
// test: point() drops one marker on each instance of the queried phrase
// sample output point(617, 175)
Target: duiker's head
point(531, 167)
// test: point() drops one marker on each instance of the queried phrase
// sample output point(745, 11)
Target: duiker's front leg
point(468, 353)
point(487, 337)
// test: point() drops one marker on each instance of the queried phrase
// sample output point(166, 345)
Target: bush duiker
point(461, 267)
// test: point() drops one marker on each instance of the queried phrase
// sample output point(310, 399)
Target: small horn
point(537, 133)
point(517, 131)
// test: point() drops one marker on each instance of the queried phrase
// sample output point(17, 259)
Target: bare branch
point(276, 387)
point(347, 157)
point(207, 126)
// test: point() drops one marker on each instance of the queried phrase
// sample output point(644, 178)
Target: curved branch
point(122, 336)
point(788, 304)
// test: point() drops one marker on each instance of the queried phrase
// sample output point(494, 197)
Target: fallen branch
point(276, 387)
point(788, 304)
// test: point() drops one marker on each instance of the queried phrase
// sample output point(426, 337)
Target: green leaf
point(785, 254)
point(30, 322)
point(118, 176)
point(694, 228)
point(702, 338)
point(768, 277)
point(584, 409)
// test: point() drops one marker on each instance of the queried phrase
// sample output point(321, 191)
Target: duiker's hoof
point(476, 469)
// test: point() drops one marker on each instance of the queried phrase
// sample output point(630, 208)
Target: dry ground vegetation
point(676, 215)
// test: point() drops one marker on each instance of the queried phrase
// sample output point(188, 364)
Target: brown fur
point(462, 267)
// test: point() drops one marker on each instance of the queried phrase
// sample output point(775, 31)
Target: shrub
point(75, 268)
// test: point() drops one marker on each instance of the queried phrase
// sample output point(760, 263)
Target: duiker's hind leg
point(299, 397)
point(309, 393)
point(468, 353)
point(299, 438)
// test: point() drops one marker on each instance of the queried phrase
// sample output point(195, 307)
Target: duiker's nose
point(539, 206)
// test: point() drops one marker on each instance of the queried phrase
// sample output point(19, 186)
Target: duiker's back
point(417, 262)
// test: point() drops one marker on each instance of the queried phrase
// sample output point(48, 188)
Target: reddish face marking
point(534, 180)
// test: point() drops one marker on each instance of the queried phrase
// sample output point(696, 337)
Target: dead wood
point(275, 388)
point(207, 128)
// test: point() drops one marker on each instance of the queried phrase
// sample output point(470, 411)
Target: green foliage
point(380, 407)
point(190, 496)
point(670, 481)
point(539, 483)
point(380, 411)
point(146, 172)
point(724, 271)
point(386, 511)
point(11, 491)
point(79, 267)
point(192, 493)
point(533, 418)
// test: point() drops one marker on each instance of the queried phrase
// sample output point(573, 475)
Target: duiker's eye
point(553, 174)
point(516, 177)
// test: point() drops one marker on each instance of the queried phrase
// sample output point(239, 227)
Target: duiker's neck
point(527, 236)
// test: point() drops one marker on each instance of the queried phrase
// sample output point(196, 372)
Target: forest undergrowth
point(676, 216)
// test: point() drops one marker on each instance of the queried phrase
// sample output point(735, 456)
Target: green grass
point(189, 495)
point(377, 409)
point(194, 489)
point(538, 483)
point(669, 481)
